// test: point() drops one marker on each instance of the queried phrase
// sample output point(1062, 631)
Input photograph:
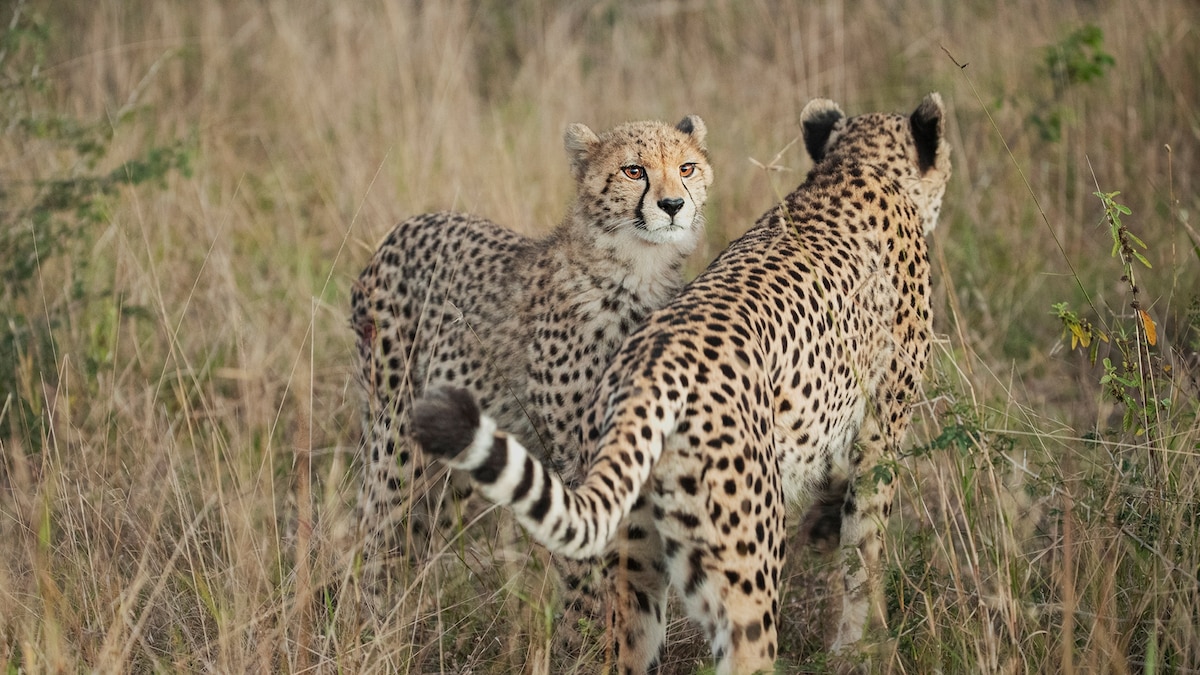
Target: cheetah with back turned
point(555, 310)
point(784, 374)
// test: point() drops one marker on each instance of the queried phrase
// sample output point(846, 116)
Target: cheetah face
point(643, 183)
point(912, 149)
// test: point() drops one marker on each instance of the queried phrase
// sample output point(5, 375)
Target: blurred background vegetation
point(188, 189)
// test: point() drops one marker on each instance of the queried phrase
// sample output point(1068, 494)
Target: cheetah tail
point(574, 523)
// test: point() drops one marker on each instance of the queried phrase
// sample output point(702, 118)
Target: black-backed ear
point(928, 123)
point(580, 142)
point(693, 126)
point(818, 121)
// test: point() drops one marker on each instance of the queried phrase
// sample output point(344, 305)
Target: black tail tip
point(445, 420)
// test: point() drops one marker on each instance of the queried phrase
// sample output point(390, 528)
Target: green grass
point(188, 189)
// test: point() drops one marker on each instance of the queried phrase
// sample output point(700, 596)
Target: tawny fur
point(784, 374)
point(526, 325)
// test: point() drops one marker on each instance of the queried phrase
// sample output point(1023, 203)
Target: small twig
point(961, 66)
point(774, 164)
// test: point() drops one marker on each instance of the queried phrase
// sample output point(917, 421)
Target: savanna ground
point(188, 189)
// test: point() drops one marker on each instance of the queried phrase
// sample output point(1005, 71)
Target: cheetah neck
point(650, 273)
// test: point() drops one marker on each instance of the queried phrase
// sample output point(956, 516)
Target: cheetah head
point(913, 149)
point(642, 183)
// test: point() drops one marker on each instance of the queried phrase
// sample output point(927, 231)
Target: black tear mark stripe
point(642, 199)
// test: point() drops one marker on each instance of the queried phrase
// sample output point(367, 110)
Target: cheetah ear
point(819, 121)
point(928, 123)
point(693, 126)
point(580, 142)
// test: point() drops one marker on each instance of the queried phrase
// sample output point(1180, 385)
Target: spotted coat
point(784, 374)
point(526, 325)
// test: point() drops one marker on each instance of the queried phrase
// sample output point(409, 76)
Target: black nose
point(671, 205)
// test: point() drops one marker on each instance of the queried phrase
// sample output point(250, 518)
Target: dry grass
point(180, 417)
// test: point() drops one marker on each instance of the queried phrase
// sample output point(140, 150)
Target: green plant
point(1151, 467)
point(1077, 59)
point(1131, 374)
point(48, 224)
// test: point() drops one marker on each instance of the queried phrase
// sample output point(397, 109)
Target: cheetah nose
point(671, 205)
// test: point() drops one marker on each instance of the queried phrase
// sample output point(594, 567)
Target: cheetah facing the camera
point(782, 375)
point(526, 325)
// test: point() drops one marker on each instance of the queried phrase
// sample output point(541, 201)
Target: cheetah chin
point(668, 234)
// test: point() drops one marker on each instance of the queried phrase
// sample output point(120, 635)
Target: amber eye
point(687, 170)
point(634, 171)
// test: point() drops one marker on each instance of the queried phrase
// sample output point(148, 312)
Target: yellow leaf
point(1148, 325)
point(1079, 335)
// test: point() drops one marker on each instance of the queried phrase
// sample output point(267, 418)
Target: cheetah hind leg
point(868, 504)
point(403, 528)
point(579, 637)
point(638, 593)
